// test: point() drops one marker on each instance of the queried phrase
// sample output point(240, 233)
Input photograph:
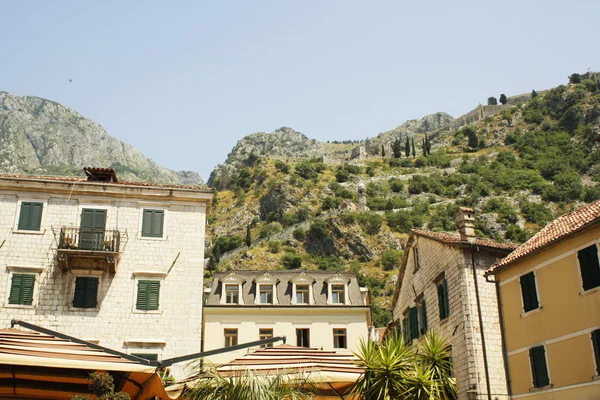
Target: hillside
point(42, 137)
point(519, 169)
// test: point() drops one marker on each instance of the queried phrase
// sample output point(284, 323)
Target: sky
point(183, 81)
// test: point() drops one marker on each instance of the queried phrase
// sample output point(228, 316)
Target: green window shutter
point(596, 345)
point(443, 303)
point(152, 223)
point(27, 294)
point(537, 356)
point(590, 267)
point(86, 292)
point(148, 295)
point(30, 217)
point(21, 289)
point(424, 315)
point(528, 290)
point(413, 323)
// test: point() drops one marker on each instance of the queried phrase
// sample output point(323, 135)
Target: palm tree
point(246, 386)
point(395, 370)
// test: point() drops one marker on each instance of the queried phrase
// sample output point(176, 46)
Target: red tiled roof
point(449, 238)
point(560, 228)
point(85, 181)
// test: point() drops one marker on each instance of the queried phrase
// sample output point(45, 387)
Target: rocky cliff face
point(39, 136)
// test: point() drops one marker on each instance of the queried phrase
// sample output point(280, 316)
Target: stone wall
point(461, 327)
point(176, 260)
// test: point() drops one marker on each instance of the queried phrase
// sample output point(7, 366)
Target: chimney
point(465, 219)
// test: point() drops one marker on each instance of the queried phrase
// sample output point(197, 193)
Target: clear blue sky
point(184, 80)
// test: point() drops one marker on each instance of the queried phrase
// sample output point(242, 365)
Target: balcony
point(87, 248)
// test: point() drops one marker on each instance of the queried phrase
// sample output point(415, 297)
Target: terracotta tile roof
point(449, 238)
point(83, 180)
point(560, 228)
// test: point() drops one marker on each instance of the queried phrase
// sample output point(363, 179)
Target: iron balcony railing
point(89, 239)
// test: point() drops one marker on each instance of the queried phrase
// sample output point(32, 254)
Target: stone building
point(317, 309)
point(114, 263)
point(549, 291)
point(441, 286)
point(358, 153)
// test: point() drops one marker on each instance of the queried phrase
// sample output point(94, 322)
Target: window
point(339, 339)
point(596, 346)
point(152, 223)
point(416, 258)
point(338, 294)
point(86, 292)
point(303, 337)
point(265, 333)
point(529, 292)
point(413, 323)
point(232, 294)
point(302, 294)
point(30, 217)
point(405, 329)
point(589, 266)
point(148, 293)
point(21, 289)
point(231, 337)
point(537, 355)
point(443, 303)
point(422, 308)
point(147, 356)
point(266, 294)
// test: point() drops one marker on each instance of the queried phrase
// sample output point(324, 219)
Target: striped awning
point(42, 366)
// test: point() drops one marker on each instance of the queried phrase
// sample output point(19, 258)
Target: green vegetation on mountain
point(519, 169)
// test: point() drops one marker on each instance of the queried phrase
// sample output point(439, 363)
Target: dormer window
point(266, 292)
point(338, 294)
point(232, 293)
point(337, 289)
point(302, 292)
point(231, 286)
point(302, 289)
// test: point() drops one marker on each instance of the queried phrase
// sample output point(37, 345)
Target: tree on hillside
point(492, 101)
point(575, 78)
point(397, 148)
point(533, 94)
point(472, 136)
point(407, 147)
point(413, 147)
point(503, 99)
point(382, 151)
point(216, 253)
point(248, 236)
point(427, 144)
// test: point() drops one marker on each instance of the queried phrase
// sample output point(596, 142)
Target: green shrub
point(289, 219)
point(421, 161)
point(391, 259)
point(330, 202)
point(331, 263)
point(567, 186)
point(342, 175)
point(505, 211)
point(370, 222)
point(396, 185)
point(403, 220)
point(537, 213)
point(299, 234)
point(291, 261)
point(282, 167)
point(353, 169)
point(269, 229)
point(274, 246)
point(228, 243)
point(318, 239)
point(348, 218)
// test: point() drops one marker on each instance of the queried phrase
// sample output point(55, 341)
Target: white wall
point(173, 330)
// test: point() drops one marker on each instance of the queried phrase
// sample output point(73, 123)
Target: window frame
point(416, 262)
point(230, 335)
point(581, 275)
point(536, 291)
point(263, 335)
point(595, 339)
point(336, 289)
point(306, 293)
point(148, 283)
point(151, 235)
point(443, 299)
point(28, 270)
point(42, 228)
point(97, 303)
point(153, 207)
point(89, 274)
point(534, 378)
point(341, 333)
point(226, 292)
point(271, 290)
point(307, 330)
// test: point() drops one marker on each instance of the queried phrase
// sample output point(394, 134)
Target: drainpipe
point(502, 336)
point(485, 362)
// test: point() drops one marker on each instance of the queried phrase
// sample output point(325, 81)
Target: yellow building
point(549, 295)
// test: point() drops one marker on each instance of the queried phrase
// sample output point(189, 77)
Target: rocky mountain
point(39, 136)
point(519, 166)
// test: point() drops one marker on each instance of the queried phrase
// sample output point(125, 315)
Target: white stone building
point(115, 263)
point(441, 286)
point(317, 309)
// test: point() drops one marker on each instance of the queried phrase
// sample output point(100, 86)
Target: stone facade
point(358, 153)
point(176, 260)
point(282, 315)
point(452, 262)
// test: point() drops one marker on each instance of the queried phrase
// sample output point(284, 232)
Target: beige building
point(441, 286)
point(318, 309)
point(549, 291)
point(115, 263)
